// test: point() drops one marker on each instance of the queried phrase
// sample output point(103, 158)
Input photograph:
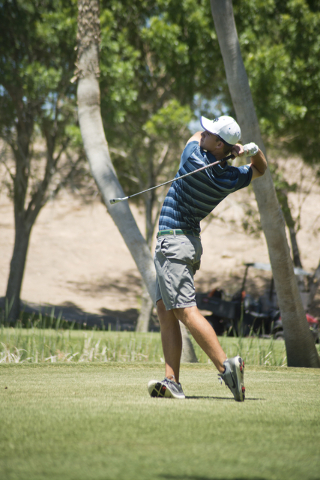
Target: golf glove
point(250, 149)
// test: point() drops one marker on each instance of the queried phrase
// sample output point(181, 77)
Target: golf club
point(116, 200)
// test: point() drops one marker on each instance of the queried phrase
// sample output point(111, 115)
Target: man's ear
point(220, 144)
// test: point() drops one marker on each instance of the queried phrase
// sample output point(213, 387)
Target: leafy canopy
point(280, 44)
point(155, 58)
point(36, 64)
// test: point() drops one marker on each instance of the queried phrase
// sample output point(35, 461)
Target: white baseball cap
point(226, 127)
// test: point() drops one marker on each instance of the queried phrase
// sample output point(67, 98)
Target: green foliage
point(43, 345)
point(155, 57)
point(37, 100)
point(280, 44)
point(147, 48)
point(159, 58)
point(37, 44)
point(168, 121)
point(37, 107)
point(38, 343)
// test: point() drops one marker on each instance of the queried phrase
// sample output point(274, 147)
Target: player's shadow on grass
point(198, 397)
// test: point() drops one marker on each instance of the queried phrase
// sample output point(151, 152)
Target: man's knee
point(185, 314)
point(166, 317)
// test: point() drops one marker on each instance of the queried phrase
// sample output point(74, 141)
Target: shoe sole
point(240, 380)
point(157, 389)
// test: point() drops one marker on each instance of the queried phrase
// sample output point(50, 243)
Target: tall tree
point(36, 105)
point(95, 144)
point(280, 42)
point(301, 350)
point(97, 151)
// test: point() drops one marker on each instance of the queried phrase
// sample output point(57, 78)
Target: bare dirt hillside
point(78, 261)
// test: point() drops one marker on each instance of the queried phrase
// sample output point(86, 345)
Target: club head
point(116, 200)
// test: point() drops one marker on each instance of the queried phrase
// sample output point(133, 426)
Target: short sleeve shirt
point(192, 198)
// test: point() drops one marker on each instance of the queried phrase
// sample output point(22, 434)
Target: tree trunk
point(300, 347)
point(283, 200)
point(146, 304)
point(95, 144)
point(295, 248)
point(22, 223)
point(17, 266)
point(145, 311)
point(188, 354)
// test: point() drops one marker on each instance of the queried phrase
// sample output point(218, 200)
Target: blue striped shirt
point(191, 199)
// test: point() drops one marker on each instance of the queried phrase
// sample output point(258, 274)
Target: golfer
point(178, 250)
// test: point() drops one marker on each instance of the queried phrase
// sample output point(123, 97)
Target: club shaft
point(116, 200)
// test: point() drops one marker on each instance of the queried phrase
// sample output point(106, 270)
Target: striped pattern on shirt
point(191, 199)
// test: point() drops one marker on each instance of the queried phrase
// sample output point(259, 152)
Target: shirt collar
point(218, 169)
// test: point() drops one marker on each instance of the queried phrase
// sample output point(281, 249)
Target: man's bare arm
point(195, 138)
point(258, 160)
point(258, 164)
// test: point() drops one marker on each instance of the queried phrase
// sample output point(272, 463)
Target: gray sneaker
point(233, 377)
point(167, 388)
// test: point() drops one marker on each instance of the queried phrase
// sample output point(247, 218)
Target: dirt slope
point(77, 258)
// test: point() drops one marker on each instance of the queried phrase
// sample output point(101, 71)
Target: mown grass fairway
point(96, 421)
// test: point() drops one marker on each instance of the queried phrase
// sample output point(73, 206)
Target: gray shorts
point(177, 258)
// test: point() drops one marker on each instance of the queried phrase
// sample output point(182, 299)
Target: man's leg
point(232, 370)
point(171, 341)
point(181, 282)
point(172, 346)
point(203, 333)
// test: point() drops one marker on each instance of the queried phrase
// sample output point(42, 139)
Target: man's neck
point(218, 155)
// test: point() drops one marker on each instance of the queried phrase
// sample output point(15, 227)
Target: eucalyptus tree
point(95, 143)
point(37, 114)
point(280, 44)
point(300, 347)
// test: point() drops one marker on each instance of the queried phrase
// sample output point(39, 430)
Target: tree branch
point(66, 178)
point(38, 198)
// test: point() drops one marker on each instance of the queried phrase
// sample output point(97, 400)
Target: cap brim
point(207, 124)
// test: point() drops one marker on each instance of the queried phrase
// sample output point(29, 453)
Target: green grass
point(36, 345)
point(96, 421)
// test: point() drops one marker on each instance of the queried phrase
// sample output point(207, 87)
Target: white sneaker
point(166, 388)
point(233, 377)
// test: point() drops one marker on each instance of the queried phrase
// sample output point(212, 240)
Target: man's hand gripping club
point(258, 160)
